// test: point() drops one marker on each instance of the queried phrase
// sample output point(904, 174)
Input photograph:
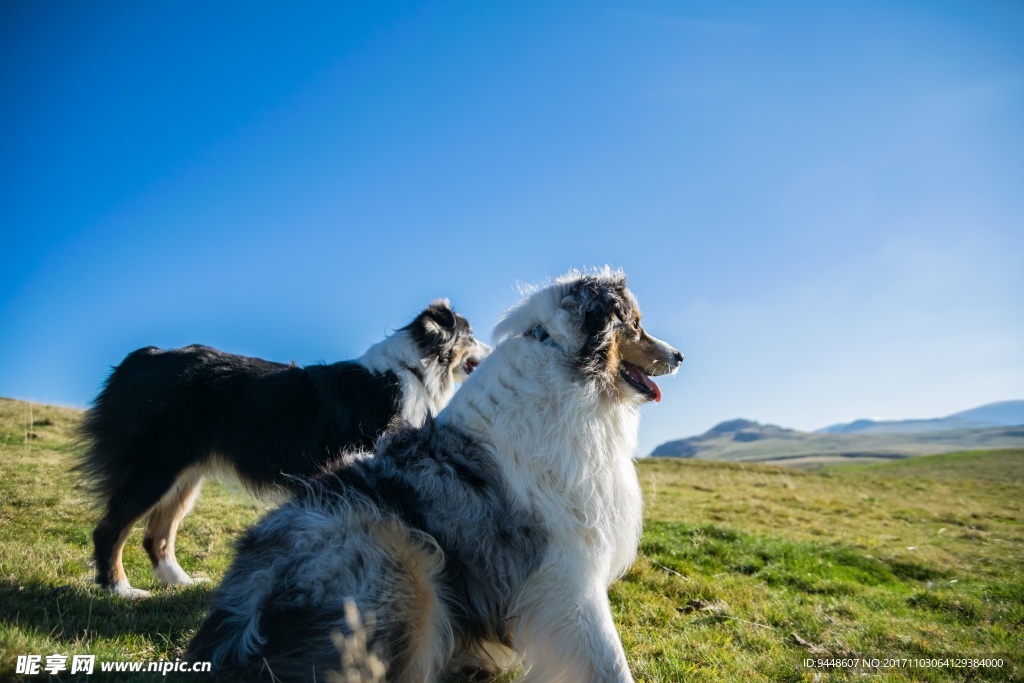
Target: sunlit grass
point(744, 570)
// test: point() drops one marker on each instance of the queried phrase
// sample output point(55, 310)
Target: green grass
point(744, 570)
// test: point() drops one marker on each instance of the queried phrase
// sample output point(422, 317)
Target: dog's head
point(445, 339)
point(595, 320)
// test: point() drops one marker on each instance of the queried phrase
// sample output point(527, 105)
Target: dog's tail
point(220, 641)
point(274, 643)
point(112, 434)
point(246, 631)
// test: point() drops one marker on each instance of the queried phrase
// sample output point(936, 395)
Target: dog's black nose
point(677, 359)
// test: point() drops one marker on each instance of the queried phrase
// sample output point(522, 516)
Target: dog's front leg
point(565, 632)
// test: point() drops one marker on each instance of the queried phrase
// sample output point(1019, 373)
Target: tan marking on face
point(640, 349)
point(632, 344)
point(467, 349)
point(614, 361)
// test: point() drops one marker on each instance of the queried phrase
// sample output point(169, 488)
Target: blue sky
point(821, 204)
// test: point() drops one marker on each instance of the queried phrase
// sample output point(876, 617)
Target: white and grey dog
point(496, 527)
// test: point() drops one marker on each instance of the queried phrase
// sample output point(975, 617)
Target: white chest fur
point(565, 451)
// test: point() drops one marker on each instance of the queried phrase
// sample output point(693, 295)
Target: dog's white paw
point(168, 572)
point(124, 589)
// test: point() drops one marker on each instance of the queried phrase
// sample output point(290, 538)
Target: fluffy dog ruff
point(495, 528)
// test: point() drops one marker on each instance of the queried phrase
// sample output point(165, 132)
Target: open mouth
point(639, 380)
point(469, 365)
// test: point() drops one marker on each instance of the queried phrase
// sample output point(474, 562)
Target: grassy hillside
point(744, 571)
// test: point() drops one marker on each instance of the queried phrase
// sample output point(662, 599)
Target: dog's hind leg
point(109, 537)
point(162, 528)
point(124, 506)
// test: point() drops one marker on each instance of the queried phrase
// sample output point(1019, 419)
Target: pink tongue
point(639, 374)
point(654, 387)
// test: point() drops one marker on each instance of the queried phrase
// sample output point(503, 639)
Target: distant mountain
point(903, 426)
point(749, 441)
point(727, 436)
point(1002, 414)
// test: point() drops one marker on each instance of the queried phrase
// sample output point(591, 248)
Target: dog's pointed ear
point(441, 314)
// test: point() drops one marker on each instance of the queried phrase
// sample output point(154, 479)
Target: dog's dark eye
point(636, 324)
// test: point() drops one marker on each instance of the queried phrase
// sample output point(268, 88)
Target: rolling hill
point(1002, 414)
point(749, 441)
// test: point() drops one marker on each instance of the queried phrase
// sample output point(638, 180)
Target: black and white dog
point(164, 419)
point(495, 528)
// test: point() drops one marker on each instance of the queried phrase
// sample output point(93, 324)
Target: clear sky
point(820, 203)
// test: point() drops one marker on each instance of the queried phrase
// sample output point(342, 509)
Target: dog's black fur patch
point(176, 408)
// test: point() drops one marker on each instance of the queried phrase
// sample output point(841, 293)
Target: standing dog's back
point(165, 411)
